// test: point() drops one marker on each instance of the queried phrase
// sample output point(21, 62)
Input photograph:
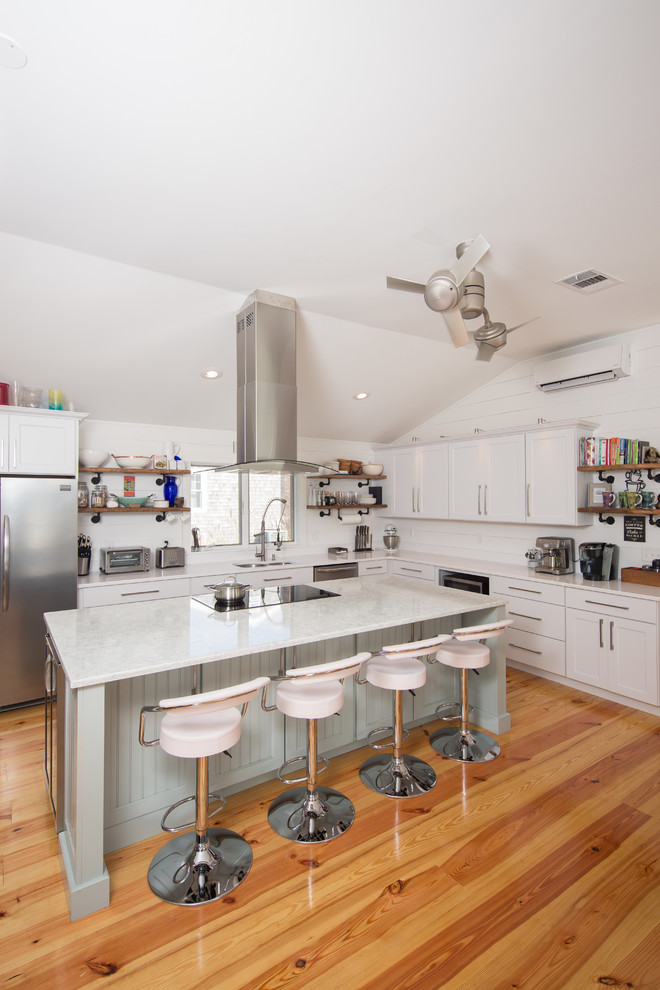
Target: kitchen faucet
point(261, 535)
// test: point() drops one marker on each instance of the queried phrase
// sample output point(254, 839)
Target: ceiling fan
point(491, 336)
point(446, 289)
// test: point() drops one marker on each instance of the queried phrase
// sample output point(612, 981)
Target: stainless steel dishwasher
point(335, 572)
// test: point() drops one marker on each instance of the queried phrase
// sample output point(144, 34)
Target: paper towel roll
point(350, 519)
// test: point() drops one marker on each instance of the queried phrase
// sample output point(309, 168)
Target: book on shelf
point(597, 451)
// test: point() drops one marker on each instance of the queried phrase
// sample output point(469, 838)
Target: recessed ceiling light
point(361, 395)
point(12, 55)
point(211, 373)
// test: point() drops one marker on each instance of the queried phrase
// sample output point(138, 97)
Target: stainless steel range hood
point(266, 395)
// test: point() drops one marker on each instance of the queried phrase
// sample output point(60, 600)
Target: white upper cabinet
point(418, 482)
point(552, 478)
point(35, 443)
point(487, 479)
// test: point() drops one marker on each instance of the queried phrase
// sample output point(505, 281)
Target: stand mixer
point(391, 539)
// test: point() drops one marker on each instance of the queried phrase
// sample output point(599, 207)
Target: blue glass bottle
point(169, 488)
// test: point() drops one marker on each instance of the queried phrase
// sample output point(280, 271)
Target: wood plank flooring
point(538, 870)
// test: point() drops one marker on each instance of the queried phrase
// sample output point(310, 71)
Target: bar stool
point(311, 813)
point(187, 871)
point(467, 651)
point(397, 669)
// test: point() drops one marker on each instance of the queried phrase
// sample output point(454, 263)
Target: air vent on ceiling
point(590, 280)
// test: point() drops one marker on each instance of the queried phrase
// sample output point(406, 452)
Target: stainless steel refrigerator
point(38, 573)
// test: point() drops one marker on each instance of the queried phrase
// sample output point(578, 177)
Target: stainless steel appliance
point(479, 584)
point(38, 573)
point(117, 560)
point(598, 561)
point(335, 572)
point(557, 555)
point(167, 556)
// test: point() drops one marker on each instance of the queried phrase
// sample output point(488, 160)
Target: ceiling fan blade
point(484, 352)
point(405, 284)
point(456, 326)
point(470, 258)
point(518, 325)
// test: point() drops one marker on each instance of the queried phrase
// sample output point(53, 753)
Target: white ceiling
point(161, 159)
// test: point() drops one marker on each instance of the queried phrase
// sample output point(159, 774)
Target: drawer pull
point(600, 632)
point(539, 653)
point(521, 615)
point(611, 635)
point(528, 590)
point(415, 570)
point(284, 577)
point(624, 608)
point(130, 594)
point(374, 567)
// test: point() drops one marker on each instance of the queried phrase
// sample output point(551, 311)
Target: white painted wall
point(629, 407)
point(202, 446)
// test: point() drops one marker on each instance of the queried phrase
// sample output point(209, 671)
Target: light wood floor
point(537, 870)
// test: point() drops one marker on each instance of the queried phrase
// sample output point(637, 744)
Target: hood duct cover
point(266, 392)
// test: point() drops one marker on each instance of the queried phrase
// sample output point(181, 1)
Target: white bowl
point(366, 500)
point(92, 458)
point(371, 470)
point(132, 461)
point(160, 503)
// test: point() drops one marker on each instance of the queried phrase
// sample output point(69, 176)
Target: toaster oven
point(118, 560)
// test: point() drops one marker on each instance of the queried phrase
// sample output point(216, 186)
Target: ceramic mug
point(648, 500)
point(633, 499)
point(610, 499)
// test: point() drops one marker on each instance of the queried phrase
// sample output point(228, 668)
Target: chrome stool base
point(311, 816)
point(189, 871)
point(469, 746)
point(404, 777)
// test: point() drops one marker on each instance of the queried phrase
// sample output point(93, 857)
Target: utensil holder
point(83, 566)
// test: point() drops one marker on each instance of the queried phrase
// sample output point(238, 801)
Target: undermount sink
point(267, 563)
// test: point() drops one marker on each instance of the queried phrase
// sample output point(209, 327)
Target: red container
point(4, 394)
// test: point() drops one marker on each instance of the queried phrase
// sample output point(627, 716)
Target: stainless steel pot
point(230, 590)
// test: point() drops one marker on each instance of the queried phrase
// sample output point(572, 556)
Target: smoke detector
point(590, 280)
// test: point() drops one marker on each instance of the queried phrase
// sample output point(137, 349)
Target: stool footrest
point(451, 709)
point(321, 764)
point(211, 798)
point(388, 741)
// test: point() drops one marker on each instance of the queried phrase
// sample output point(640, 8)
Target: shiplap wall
point(629, 407)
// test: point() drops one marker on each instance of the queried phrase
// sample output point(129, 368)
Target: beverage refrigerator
point(38, 573)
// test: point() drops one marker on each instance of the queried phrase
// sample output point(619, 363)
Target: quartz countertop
point(97, 645)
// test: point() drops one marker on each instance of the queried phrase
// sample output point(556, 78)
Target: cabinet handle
point(479, 500)
point(412, 493)
point(415, 570)
point(529, 591)
point(283, 577)
point(539, 653)
point(611, 635)
point(130, 594)
point(600, 629)
point(521, 615)
point(624, 608)
point(2, 451)
point(485, 500)
point(15, 457)
point(527, 507)
point(419, 499)
point(373, 567)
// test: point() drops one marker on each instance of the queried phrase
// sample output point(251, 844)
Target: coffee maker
point(598, 561)
point(557, 555)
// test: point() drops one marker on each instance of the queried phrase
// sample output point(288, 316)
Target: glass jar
point(99, 496)
point(83, 495)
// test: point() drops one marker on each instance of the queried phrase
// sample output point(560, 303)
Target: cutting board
point(637, 575)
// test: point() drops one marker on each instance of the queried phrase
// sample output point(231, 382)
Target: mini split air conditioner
point(603, 364)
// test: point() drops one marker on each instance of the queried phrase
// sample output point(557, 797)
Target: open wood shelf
point(349, 508)
point(349, 477)
point(138, 508)
point(610, 510)
point(117, 470)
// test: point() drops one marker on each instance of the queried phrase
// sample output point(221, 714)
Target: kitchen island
point(119, 657)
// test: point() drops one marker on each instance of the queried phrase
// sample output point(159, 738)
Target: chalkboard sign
point(634, 529)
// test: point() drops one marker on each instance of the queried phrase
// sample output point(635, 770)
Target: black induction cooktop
point(260, 597)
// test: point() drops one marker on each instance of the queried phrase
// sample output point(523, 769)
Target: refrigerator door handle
point(5, 563)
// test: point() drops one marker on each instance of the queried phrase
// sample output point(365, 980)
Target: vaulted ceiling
point(161, 159)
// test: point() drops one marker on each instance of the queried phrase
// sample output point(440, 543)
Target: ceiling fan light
point(441, 292)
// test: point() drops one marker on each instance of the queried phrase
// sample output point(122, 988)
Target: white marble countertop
point(197, 566)
point(97, 645)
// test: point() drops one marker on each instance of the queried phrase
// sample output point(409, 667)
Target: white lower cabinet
point(133, 591)
point(422, 572)
point(537, 637)
point(367, 568)
point(612, 643)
